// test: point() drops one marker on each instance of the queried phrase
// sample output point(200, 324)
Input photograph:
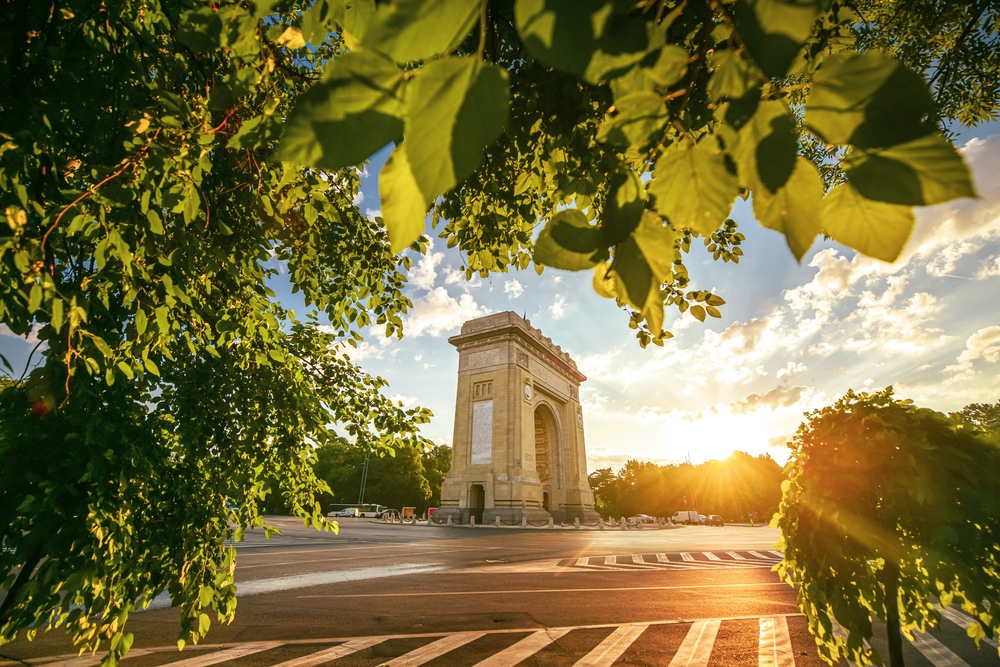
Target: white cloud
point(513, 289)
point(372, 213)
point(558, 307)
point(424, 274)
point(407, 401)
point(359, 197)
point(32, 336)
point(989, 268)
point(437, 313)
point(790, 369)
point(984, 344)
point(418, 357)
point(779, 397)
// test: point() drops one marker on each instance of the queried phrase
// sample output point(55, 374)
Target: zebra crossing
point(683, 560)
point(775, 647)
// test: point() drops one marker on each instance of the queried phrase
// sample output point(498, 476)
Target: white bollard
point(600, 523)
point(496, 521)
point(524, 522)
point(550, 522)
point(449, 519)
point(576, 523)
point(472, 521)
point(622, 524)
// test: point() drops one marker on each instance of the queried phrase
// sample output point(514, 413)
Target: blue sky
point(793, 337)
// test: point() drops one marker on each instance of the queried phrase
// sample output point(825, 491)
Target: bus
point(364, 509)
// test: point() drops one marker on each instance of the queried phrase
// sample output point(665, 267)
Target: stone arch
point(548, 451)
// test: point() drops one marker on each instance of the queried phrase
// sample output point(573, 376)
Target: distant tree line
point(735, 488)
point(410, 478)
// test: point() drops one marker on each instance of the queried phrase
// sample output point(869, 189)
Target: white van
point(687, 517)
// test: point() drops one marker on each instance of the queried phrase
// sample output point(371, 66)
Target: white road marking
point(637, 558)
point(697, 645)
point(662, 558)
point(332, 653)
point(610, 560)
point(963, 620)
point(609, 650)
point(711, 556)
point(544, 590)
point(757, 554)
point(777, 553)
point(735, 556)
point(525, 648)
point(936, 652)
point(686, 556)
point(428, 652)
point(83, 661)
point(775, 649)
point(583, 561)
point(226, 655)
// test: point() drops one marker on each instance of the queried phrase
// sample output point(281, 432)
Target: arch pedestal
point(518, 446)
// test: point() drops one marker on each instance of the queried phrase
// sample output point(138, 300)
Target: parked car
point(388, 515)
point(703, 519)
point(715, 520)
point(640, 518)
point(686, 517)
point(348, 511)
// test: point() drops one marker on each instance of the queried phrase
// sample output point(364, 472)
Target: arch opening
point(546, 444)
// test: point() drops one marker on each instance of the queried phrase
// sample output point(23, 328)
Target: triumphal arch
point(518, 449)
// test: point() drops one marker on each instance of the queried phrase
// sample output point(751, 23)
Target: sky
point(793, 336)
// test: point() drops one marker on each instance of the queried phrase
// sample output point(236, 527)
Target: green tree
point(437, 463)
point(397, 479)
point(983, 417)
point(146, 223)
point(630, 128)
point(888, 507)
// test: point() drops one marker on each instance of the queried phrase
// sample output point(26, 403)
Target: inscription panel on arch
point(482, 432)
point(550, 378)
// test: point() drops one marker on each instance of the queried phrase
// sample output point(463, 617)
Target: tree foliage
point(630, 127)
point(734, 488)
point(404, 477)
point(889, 507)
point(146, 223)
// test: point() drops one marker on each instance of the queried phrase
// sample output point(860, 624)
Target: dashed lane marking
point(535, 591)
point(686, 556)
point(428, 652)
point(963, 621)
point(523, 649)
point(613, 646)
point(775, 648)
point(936, 652)
point(332, 653)
point(735, 556)
point(697, 645)
point(225, 655)
point(710, 556)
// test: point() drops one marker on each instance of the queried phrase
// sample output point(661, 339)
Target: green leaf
point(200, 29)
point(766, 148)
point(595, 39)
point(636, 118)
point(694, 189)
point(455, 108)
point(795, 209)
point(34, 298)
point(658, 245)
point(922, 172)
point(604, 281)
point(698, 312)
point(622, 209)
point(732, 76)
point(57, 314)
point(140, 321)
point(408, 30)
point(351, 114)
point(155, 222)
point(568, 241)
point(868, 100)
point(126, 369)
point(871, 227)
point(775, 30)
point(634, 278)
point(670, 66)
point(404, 208)
point(151, 367)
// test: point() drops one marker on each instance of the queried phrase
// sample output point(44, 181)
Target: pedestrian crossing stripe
point(632, 562)
point(774, 646)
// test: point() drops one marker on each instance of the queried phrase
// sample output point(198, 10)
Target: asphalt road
point(411, 595)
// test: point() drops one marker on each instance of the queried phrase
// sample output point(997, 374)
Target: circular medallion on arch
point(527, 392)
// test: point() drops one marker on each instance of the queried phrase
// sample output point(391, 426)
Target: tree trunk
point(890, 580)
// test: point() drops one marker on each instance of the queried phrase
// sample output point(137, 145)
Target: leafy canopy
point(629, 128)
point(146, 221)
point(887, 507)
